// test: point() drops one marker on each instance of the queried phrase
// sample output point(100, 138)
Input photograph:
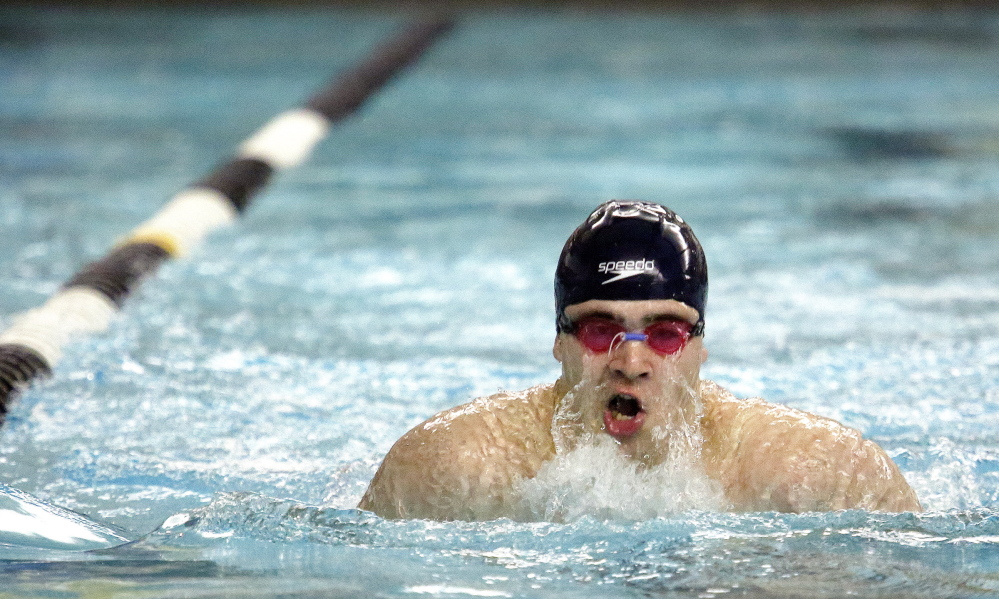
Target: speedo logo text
point(625, 268)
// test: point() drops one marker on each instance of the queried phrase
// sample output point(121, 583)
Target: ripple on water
point(814, 554)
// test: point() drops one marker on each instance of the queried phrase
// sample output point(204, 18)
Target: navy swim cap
point(628, 250)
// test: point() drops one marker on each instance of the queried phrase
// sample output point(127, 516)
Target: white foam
point(596, 480)
point(591, 475)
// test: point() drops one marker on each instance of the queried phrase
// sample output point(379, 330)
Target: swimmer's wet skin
point(630, 290)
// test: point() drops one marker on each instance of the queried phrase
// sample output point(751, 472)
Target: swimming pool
point(840, 170)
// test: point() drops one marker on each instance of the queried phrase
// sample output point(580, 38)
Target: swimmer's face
point(631, 391)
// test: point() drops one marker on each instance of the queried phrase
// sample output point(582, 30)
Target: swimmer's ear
point(557, 348)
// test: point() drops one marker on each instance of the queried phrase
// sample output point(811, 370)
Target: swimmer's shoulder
point(460, 463)
point(741, 418)
point(779, 457)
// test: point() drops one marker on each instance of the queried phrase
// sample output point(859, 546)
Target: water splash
point(596, 480)
point(592, 475)
point(950, 480)
point(28, 521)
point(760, 554)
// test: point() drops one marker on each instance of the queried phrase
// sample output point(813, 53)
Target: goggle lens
point(599, 335)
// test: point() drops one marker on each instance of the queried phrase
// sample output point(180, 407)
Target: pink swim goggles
point(601, 335)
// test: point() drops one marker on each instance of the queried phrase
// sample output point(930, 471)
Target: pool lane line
point(86, 303)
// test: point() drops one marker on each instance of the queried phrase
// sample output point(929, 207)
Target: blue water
point(840, 169)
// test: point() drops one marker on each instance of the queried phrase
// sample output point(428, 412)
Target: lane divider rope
point(87, 303)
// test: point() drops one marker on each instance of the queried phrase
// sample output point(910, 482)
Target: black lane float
point(86, 303)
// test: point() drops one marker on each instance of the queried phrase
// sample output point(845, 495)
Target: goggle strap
point(564, 325)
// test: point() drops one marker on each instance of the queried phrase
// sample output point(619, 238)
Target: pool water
point(839, 167)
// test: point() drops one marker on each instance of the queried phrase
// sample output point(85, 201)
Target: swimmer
point(630, 293)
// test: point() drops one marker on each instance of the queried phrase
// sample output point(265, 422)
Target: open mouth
point(624, 415)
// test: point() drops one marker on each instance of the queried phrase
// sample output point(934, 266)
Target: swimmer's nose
point(630, 359)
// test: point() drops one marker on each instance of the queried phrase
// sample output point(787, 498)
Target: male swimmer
point(630, 293)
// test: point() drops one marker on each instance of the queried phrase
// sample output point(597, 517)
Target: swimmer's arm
point(773, 457)
point(396, 489)
point(448, 468)
point(821, 465)
point(877, 483)
point(463, 463)
point(420, 477)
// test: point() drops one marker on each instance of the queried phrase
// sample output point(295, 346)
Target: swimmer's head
point(629, 250)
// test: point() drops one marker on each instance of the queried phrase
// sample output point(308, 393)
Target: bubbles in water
point(653, 474)
point(950, 481)
point(596, 480)
point(592, 475)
